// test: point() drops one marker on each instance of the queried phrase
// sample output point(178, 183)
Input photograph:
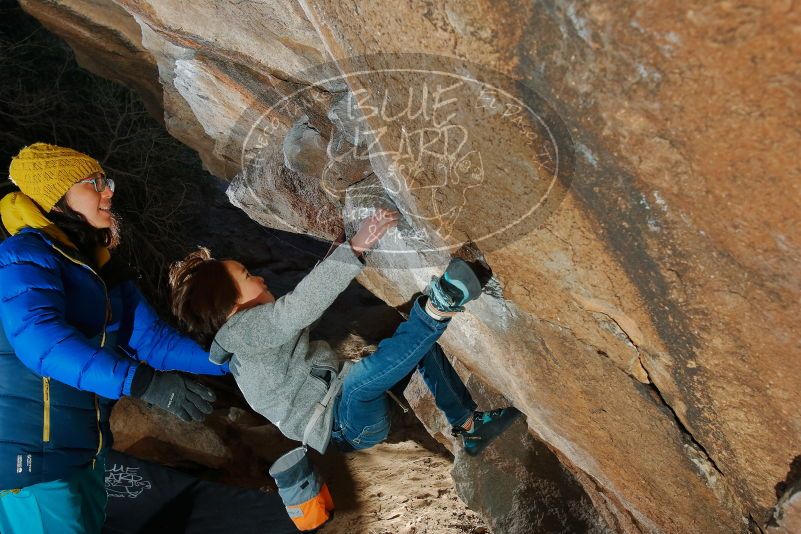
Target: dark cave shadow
point(793, 477)
point(787, 487)
point(334, 468)
point(518, 481)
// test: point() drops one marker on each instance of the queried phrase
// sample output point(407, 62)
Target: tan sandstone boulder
point(639, 211)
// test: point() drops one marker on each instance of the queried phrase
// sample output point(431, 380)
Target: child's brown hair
point(202, 295)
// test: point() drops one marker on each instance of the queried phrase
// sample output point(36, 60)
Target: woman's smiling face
point(95, 207)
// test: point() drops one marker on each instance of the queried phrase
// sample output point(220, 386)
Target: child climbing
point(291, 380)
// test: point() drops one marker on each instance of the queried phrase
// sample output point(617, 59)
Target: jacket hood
point(18, 211)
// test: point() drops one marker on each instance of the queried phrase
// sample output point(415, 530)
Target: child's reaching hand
point(372, 229)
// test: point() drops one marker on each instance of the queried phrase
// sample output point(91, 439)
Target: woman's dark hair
point(82, 234)
point(202, 295)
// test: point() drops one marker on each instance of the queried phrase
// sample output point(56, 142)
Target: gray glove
point(181, 396)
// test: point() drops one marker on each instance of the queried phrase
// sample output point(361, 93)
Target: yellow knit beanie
point(46, 172)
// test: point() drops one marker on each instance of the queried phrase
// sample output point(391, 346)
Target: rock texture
point(104, 34)
point(788, 515)
point(644, 318)
point(518, 484)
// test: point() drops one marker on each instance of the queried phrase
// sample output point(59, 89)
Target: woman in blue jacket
point(76, 333)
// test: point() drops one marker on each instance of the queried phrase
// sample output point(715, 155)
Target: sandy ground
point(400, 488)
point(403, 486)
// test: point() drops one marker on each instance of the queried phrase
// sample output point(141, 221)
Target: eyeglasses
point(100, 183)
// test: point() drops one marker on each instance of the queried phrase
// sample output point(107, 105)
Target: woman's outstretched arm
point(146, 337)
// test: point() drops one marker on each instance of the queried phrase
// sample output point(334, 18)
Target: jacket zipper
point(99, 432)
point(102, 343)
point(46, 395)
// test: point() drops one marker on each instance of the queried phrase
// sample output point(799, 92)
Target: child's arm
point(276, 323)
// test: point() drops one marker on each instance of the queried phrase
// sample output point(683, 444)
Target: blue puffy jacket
point(67, 340)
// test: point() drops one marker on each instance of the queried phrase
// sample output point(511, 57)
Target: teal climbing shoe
point(455, 288)
point(486, 427)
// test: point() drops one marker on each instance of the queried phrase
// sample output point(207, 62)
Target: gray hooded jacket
point(275, 365)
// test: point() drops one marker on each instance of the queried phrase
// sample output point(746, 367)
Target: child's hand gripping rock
point(372, 229)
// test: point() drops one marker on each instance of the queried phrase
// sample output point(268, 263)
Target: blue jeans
point(75, 505)
point(361, 415)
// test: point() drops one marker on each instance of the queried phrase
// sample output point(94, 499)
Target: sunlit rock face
point(643, 309)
